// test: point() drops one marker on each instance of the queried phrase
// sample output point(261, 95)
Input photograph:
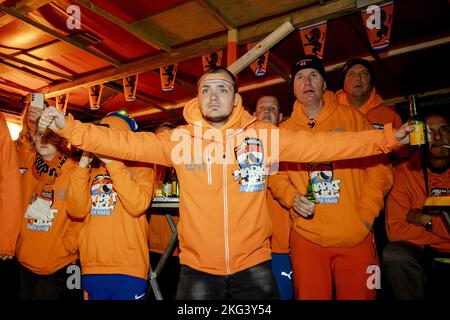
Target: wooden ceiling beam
point(248, 34)
point(216, 14)
point(139, 33)
point(119, 88)
point(23, 7)
point(57, 35)
point(336, 67)
point(34, 66)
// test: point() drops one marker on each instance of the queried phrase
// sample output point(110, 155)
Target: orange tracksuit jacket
point(356, 188)
point(114, 243)
point(10, 202)
point(281, 225)
point(159, 231)
point(222, 229)
point(409, 193)
point(46, 252)
point(374, 110)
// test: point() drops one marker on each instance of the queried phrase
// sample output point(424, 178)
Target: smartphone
point(37, 100)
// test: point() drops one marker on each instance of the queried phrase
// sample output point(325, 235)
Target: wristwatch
point(429, 226)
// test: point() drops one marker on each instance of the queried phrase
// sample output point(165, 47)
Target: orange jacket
point(114, 236)
point(44, 252)
point(10, 202)
point(409, 193)
point(224, 226)
point(281, 225)
point(353, 190)
point(159, 231)
point(374, 109)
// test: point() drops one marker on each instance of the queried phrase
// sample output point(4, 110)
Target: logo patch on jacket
point(378, 126)
point(39, 214)
point(439, 191)
point(103, 196)
point(326, 189)
point(250, 156)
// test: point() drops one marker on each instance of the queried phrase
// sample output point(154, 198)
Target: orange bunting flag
point(61, 102)
point(130, 87)
point(259, 66)
point(168, 74)
point(378, 21)
point(95, 96)
point(213, 59)
point(313, 38)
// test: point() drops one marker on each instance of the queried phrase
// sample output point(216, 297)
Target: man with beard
point(410, 226)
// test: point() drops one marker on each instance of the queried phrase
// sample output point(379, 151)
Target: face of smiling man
point(216, 97)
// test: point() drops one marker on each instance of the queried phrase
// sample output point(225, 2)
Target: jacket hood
point(239, 117)
point(373, 102)
point(329, 105)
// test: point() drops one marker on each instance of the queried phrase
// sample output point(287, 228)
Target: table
point(167, 206)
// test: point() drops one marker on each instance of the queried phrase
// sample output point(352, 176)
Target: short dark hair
point(220, 69)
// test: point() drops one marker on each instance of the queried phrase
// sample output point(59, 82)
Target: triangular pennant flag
point(130, 87)
point(259, 66)
point(213, 59)
point(378, 23)
point(61, 102)
point(313, 38)
point(95, 96)
point(168, 74)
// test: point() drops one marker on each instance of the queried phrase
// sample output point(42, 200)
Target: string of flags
point(377, 20)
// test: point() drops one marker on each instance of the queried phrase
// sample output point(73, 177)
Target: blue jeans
point(254, 283)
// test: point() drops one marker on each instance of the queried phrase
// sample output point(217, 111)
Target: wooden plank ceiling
point(39, 53)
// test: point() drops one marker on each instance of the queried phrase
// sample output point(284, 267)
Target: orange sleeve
point(135, 146)
point(332, 146)
point(10, 193)
point(397, 121)
point(79, 197)
point(378, 181)
point(399, 203)
point(282, 188)
point(134, 187)
point(70, 238)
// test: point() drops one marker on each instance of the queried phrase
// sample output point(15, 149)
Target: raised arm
point(332, 146)
point(127, 145)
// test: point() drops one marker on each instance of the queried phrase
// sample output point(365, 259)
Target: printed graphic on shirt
point(378, 126)
point(39, 214)
point(439, 191)
point(326, 189)
point(250, 156)
point(103, 196)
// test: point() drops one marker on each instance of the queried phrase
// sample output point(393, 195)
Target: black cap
point(308, 61)
point(351, 62)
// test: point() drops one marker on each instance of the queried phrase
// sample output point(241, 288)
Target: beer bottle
point(175, 186)
point(310, 195)
point(418, 137)
point(167, 183)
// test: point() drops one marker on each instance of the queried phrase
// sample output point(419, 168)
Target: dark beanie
point(351, 62)
point(308, 61)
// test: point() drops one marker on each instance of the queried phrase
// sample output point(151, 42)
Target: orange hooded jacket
point(351, 193)
point(10, 202)
point(409, 193)
point(224, 225)
point(374, 109)
point(45, 252)
point(113, 200)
